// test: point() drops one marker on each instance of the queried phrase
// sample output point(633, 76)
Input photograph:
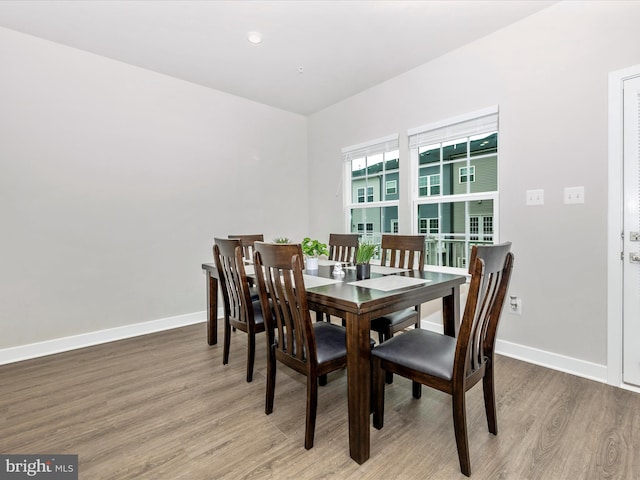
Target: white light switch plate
point(574, 195)
point(535, 197)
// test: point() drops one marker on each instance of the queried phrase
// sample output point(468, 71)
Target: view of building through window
point(454, 191)
point(457, 210)
point(374, 195)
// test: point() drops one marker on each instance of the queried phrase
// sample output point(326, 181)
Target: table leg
point(212, 309)
point(451, 312)
point(359, 385)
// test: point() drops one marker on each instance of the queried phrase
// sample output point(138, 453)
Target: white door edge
point(615, 225)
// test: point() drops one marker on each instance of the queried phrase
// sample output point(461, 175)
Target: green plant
point(366, 251)
point(281, 240)
point(313, 248)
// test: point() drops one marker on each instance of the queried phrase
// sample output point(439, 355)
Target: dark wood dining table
point(358, 305)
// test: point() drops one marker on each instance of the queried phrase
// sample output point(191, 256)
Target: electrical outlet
point(574, 195)
point(535, 197)
point(515, 305)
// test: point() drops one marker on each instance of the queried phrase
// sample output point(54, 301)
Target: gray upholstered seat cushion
point(257, 312)
point(394, 318)
point(331, 341)
point(420, 350)
point(253, 291)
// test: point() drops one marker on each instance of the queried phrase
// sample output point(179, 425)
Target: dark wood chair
point(312, 349)
point(247, 244)
point(343, 247)
point(448, 364)
point(402, 251)
point(241, 311)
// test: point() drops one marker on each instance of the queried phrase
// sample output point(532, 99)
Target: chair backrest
point(403, 251)
point(490, 269)
point(233, 277)
point(343, 247)
point(279, 270)
point(247, 243)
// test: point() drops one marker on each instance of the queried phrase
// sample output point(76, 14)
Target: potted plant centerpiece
point(311, 250)
point(366, 251)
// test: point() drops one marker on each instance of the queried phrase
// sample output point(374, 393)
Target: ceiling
point(313, 53)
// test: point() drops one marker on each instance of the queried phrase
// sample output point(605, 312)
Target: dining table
point(358, 302)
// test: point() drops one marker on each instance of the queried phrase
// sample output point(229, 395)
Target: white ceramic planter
point(312, 263)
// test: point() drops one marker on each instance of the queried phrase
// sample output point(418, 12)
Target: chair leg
point(387, 335)
point(312, 406)
point(227, 342)
point(460, 427)
point(417, 389)
point(251, 355)
point(322, 380)
point(378, 393)
point(490, 399)
point(271, 380)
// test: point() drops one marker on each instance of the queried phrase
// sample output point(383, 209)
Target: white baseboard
point(536, 356)
point(562, 363)
point(58, 345)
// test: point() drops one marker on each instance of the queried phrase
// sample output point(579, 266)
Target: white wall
point(548, 73)
point(114, 181)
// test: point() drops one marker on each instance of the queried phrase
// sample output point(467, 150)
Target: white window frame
point(391, 187)
point(467, 125)
point(430, 184)
point(428, 230)
point(363, 227)
point(386, 144)
point(469, 174)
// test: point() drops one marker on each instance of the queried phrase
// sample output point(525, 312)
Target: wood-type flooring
point(162, 406)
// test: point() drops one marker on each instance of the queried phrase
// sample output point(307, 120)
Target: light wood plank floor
point(163, 406)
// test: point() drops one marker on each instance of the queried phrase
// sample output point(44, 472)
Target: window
point(467, 174)
point(372, 187)
point(365, 228)
point(429, 225)
point(487, 228)
point(429, 185)
point(481, 228)
point(361, 195)
point(474, 227)
point(392, 187)
point(455, 175)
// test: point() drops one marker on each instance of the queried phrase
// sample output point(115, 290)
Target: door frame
point(615, 227)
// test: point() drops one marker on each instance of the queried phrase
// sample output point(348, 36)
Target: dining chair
point(312, 349)
point(241, 311)
point(453, 365)
point(247, 244)
point(343, 247)
point(401, 251)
